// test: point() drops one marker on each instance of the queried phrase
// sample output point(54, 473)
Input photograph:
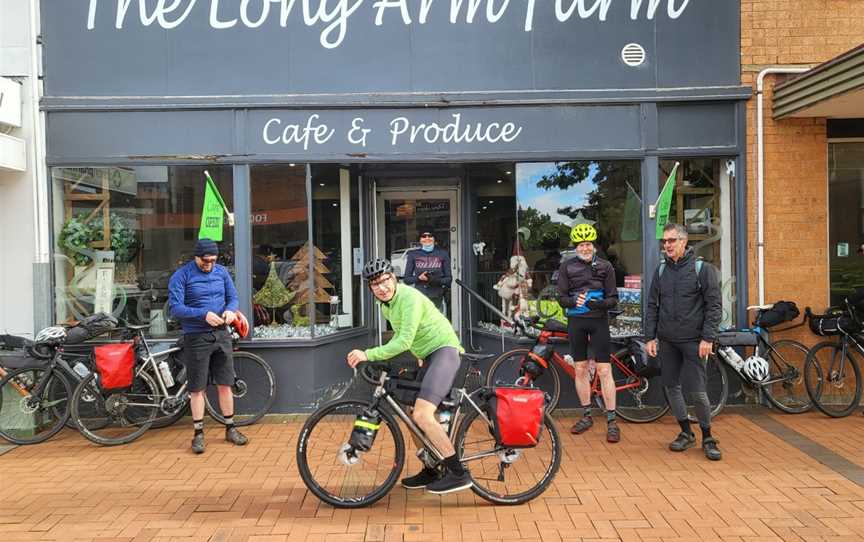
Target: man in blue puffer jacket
point(203, 298)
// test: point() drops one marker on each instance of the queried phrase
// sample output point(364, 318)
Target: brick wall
point(792, 33)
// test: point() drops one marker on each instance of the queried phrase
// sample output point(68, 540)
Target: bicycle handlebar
point(364, 367)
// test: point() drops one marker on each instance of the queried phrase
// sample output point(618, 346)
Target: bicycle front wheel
point(335, 472)
point(833, 379)
point(34, 405)
point(638, 399)
point(115, 417)
point(507, 475)
point(786, 389)
point(254, 390)
point(506, 370)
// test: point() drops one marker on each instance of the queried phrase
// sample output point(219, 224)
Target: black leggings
point(589, 338)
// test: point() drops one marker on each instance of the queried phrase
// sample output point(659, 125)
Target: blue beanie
point(206, 247)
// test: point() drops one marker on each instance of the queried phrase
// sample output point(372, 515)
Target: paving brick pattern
point(154, 490)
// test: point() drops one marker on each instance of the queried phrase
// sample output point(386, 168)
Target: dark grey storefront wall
point(185, 52)
point(392, 135)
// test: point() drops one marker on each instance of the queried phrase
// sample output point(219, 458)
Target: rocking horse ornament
point(513, 288)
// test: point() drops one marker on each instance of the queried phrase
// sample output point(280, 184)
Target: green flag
point(664, 202)
point(211, 214)
point(631, 229)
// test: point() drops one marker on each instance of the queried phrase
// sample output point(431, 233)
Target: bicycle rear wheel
point(254, 390)
point(833, 379)
point(787, 390)
point(28, 418)
point(638, 399)
point(507, 370)
point(507, 475)
point(344, 478)
point(115, 417)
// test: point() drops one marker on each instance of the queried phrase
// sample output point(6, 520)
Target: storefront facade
point(336, 131)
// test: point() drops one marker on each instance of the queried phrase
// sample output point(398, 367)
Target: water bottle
point(732, 357)
point(165, 371)
point(81, 370)
point(444, 416)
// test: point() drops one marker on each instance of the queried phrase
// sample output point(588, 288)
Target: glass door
point(402, 217)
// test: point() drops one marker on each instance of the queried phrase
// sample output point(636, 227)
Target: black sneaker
point(234, 436)
point(682, 442)
point(450, 482)
point(712, 452)
point(613, 432)
point(421, 479)
point(198, 443)
point(582, 425)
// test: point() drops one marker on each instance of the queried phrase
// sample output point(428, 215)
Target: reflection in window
point(846, 218)
point(282, 290)
point(702, 202)
point(523, 215)
point(553, 197)
point(336, 236)
point(120, 234)
point(494, 209)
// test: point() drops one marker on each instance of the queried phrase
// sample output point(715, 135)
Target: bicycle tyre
point(248, 409)
point(15, 410)
point(88, 400)
point(815, 380)
point(795, 377)
point(629, 404)
point(506, 369)
point(550, 433)
point(330, 464)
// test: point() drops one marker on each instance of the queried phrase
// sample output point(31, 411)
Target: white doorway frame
point(452, 193)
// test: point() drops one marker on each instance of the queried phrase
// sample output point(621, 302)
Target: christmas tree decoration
point(273, 294)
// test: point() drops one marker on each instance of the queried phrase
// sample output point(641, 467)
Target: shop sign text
point(401, 130)
point(334, 15)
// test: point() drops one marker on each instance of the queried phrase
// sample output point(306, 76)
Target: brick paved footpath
point(768, 487)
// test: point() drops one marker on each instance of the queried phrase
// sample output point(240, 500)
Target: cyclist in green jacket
point(421, 329)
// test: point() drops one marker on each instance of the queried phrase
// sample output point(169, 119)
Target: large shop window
point(524, 213)
point(120, 232)
point(846, 217)
point(703, 201)
point(303, 289)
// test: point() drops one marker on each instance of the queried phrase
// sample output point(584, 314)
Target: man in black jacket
point(683, 315)
point(428, 270)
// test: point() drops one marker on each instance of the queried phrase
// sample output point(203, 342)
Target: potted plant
point(75, 238)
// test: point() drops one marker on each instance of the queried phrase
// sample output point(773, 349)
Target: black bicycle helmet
point(375, 268)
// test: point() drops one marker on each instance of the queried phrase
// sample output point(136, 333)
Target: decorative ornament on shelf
point(273, 293)
point(300, 282)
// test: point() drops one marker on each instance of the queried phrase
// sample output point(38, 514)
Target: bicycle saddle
point(137, 327)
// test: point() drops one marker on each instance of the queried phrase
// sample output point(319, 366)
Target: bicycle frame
point(463, 396)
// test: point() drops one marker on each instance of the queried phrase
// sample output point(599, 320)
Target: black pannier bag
point(831, 324)
point(91, 327)
point(538, 360)
point(737, 338)
point(643, 365)
point(781, 312)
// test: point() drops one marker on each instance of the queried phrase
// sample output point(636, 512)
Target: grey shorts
point(440, 368)
point(208, 357)
point(680, 365)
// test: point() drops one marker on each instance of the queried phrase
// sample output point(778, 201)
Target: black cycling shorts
point(589, 338)
point(440, 369)
point(208, 355)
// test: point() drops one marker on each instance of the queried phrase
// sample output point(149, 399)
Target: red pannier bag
point(517, 415)
point(115, 364)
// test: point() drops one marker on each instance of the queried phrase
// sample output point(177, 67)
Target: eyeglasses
point(669, 241)
point(211, 259)
point(381, 283)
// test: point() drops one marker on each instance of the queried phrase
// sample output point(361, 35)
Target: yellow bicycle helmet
point(583, 232)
